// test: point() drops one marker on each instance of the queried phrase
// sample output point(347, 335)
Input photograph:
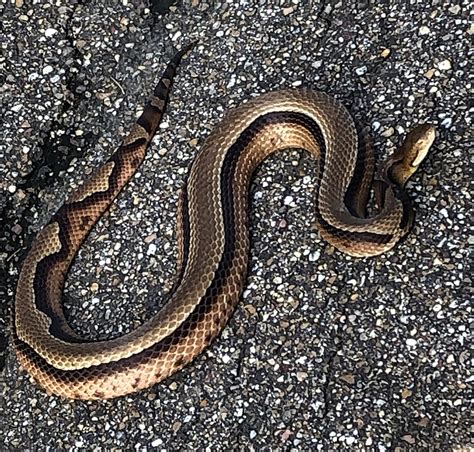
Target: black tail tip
point(187, 48)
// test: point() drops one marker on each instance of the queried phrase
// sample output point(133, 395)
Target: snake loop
point(213, 235)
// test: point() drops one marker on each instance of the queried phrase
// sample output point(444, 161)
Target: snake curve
point(213, 243)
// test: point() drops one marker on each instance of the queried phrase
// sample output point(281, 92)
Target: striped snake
point(213, 241)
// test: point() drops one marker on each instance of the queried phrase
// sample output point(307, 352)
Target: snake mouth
point(424, 136)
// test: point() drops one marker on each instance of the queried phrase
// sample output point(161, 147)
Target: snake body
point(213, 242)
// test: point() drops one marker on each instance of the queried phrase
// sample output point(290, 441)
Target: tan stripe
point(31, 324)
point(157, 102)
point(99, 182)
point(135, 134)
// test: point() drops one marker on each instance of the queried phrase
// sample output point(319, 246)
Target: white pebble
point(350, 440)
point(47, 70)
point(447, 122)
point(50, 32)
point(444, 213)
point(423, 30)
point(361, 70)
point(231, 82)
point(288, 200)
point(314, 256)
point(156, 442)
point(226, 359)
point(12, 188)
point(444, 65)
point(411, 342)
point(277, 280)
point(151, 249)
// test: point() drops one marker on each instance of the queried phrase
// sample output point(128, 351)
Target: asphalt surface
point(324, 352)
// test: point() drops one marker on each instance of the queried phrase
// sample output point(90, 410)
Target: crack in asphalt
point(51, 159)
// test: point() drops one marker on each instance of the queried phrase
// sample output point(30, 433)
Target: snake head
point(411, 153)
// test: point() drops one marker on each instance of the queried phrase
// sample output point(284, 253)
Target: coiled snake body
point(212, 235)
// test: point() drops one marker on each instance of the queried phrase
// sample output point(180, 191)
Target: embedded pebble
point(447, 122)
point(50, 32)
point(288, 201)
point(444, 65)
point(47, 70)
point(151, 249)
point(424, 30)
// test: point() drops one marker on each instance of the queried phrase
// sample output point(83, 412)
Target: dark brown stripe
point(161, 90)
point(150, 118)
point(125, 148)
point(408, 213)
point(206, 303)
point(186, 236)
point(354, 188)
point(61, 217)
point(215, 288)
point(356, 236)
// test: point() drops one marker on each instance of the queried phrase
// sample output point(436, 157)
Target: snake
point(212, 234)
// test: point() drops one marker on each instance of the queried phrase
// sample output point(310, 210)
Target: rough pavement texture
point(325, 352)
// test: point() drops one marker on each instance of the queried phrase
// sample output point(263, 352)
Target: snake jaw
point(421, 139)
point(416, 146)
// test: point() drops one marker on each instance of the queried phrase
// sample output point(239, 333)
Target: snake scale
point(213, 240)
